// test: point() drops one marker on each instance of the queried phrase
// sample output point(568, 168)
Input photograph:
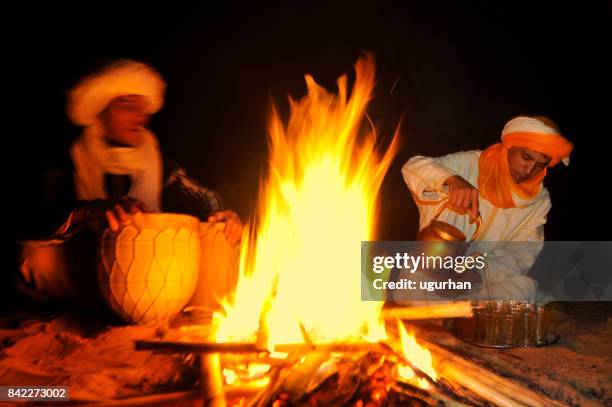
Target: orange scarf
point(494, 180)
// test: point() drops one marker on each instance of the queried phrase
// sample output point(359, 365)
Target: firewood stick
point(510, 388)
point(212, 382)
point(197, 347)
point(476, 385)
point(461, 309)
point(411, 391)
point(430, 395)
point(328, 347)
point(549, 395)
point(212, 347)
point(465, 368)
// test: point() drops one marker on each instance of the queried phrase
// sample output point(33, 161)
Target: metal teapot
point(442, 231)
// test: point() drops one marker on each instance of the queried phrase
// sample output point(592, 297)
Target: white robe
point(508, 260)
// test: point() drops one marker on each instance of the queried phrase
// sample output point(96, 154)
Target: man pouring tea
point(503, 185)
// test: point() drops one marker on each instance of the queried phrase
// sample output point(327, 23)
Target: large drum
point(218, 267)
point(148, 270)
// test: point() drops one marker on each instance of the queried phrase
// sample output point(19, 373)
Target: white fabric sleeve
point(425, 176)
point(516, 257)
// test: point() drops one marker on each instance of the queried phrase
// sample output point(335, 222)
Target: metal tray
point(551, 338)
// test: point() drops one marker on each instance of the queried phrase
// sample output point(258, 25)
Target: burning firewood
point(483, 382)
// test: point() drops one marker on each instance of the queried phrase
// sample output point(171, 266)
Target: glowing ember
point(230, 376)
point(250, 372)
point(299, 269)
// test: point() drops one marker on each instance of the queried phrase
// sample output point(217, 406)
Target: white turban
point(545, 136)
point(125, 77)
point(528, 124)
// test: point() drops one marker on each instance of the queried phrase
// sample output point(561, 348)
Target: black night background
point(460, 69)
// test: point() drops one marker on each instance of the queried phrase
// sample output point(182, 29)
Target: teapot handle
point(478, 228)
point(478, 220)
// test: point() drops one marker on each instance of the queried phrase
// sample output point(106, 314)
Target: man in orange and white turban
point(502, 184)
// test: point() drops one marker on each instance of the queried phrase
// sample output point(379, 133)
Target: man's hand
point(233, 225)
point(120, 213)
point(463, 196)
point(113, 214)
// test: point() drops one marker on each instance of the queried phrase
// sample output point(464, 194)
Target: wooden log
point(473, 383)
point(456, 370)
point(197, 347)
point(431, 395)
point(521, 375)
point(212, 347)
point(212, 380)
point(461, 309)
point(328, 347)
point(482, 381)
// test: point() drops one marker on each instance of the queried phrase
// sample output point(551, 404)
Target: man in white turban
point(118, 168)
point(504, 185)
point(114, 170)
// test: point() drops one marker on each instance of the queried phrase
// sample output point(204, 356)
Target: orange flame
point(418, 356)
point(299, 270)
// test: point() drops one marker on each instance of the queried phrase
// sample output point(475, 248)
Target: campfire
point(295, 331)
point(299, 281)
